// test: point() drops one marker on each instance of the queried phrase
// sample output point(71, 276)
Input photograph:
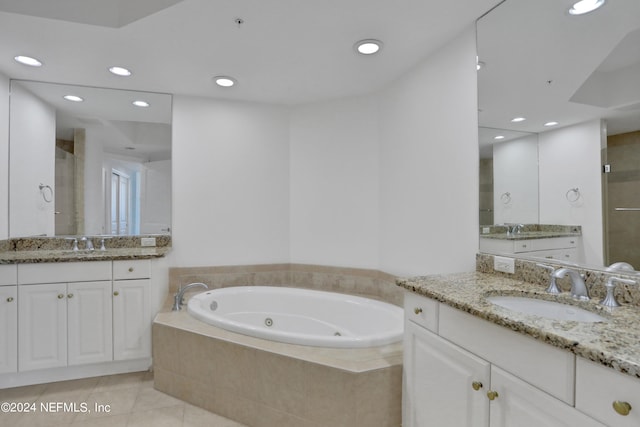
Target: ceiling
point(286, 51)
point(545, 65)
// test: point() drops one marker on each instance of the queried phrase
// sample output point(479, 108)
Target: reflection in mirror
point(508, 176)
point(576, 81)
point(92, 167)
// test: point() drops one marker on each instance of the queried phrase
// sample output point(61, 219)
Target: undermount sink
point(547, 309)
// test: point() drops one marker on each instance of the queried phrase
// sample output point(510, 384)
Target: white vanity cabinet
point(444, 385)
point(131, 309)
point(606, 395)
point(8, 319)
point(560, 248)
point(469, 372)
point(520, 404)
point(65, 315)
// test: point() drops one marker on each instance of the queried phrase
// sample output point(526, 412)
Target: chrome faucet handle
point(610, 299)
point(75, 243)
point(88, 243)
point(553, 286)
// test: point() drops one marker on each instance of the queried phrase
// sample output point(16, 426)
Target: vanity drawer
point(555, 243)
point(597, 387)
point(62, 272)
point(8, 274)
point(132, 269)
point(421, 310)
point(547, 368)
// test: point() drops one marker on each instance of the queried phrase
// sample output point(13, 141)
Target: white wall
point(429, 165)
point(230, 183)
point(33, 136)
point(386, 181)
point(571, 158)
point(334, 183)
point(515, 171)
point(4, 156)
point(155, 203)
point(94, 177)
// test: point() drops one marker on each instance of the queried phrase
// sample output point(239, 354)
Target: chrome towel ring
point(47, 192)
point(573, 195)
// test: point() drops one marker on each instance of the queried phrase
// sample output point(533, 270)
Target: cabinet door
point(439, 382)
point(42, 326)
point(8, 329)
point(131, 319)
point(520, 404)
point(599, 387)
point(89, 319)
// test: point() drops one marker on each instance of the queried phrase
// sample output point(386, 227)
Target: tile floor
point(132, 402)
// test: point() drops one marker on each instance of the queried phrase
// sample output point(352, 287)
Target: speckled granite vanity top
point(59, 249)
point(530, 231)
point(41, 256)
point(529, 235)
point(615, 343)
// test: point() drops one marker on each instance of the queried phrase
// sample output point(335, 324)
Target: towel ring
point(506, 198)
point(43, 190)
point(573, 194)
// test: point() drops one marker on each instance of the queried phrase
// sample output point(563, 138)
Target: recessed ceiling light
point(141, 103)
point(27, 60)
point(551, 124)
point(498, 137)
point(585, 6)
point(73, 98)
point(518, 119)
point(368, 46)
point(224, 81)
point(120, 71)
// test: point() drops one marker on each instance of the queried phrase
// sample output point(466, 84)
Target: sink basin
point(547, 309)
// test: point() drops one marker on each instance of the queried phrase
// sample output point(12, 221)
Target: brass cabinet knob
point(492, 394)
point(70, 296)
point(60, 296)
point(476, 385)
point(130, 269)
point(622, 408)
point(10, 299)
point(417, 310)
point(116, 293)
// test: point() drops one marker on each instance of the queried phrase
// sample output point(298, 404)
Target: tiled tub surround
point(263, 383)
point(370, 283)
point(615, 344)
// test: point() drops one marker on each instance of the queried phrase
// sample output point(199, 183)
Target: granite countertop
point(42, 256)
point(528, 235)
point(615, 344)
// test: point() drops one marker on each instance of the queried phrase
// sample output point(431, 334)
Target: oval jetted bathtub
point(300, 316)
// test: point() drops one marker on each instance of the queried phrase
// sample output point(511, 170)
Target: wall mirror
point(568, 76)
point(88, 161)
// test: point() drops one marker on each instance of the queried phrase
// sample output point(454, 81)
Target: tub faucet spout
point(578, 287)
point(177, 298)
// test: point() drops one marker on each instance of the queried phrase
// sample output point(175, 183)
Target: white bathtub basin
point(547, 309)
point(300, 316)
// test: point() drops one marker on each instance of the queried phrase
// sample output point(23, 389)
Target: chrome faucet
point(177, 298)
point(610, 300)
point(553, 286)
point(578, 287)
point(514, 228)
point(89, 244)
